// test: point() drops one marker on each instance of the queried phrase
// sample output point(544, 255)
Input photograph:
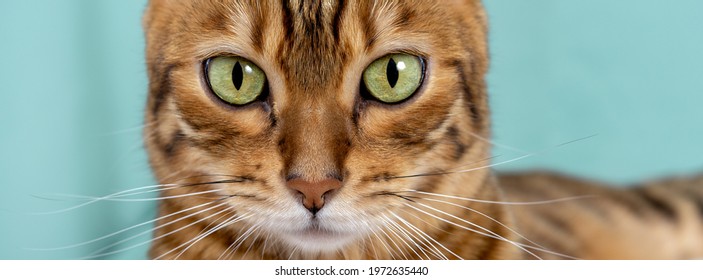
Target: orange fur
point(315, 126)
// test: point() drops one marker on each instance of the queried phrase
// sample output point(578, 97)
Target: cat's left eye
point(234, 79)
point(394, 77)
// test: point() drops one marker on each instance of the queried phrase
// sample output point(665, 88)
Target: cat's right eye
point(235, 80)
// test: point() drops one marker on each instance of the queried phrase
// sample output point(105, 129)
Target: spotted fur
point(230, 169)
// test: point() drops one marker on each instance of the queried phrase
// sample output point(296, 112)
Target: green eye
point(394, 77)
point(234, 79)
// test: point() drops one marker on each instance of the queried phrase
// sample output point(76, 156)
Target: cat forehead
point(313, 40)
point(309, 40)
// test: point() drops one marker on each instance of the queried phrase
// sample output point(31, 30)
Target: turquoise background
point(73, 85)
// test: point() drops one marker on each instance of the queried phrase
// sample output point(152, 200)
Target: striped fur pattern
point(415, 181)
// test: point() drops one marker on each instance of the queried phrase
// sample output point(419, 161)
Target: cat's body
point(302, 153)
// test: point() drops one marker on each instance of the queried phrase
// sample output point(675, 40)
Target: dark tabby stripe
point(337, 19)
point(459, 148)
point(287, 20)
point(697, 200)
point(259, 24)
point(661, 206)
point(557, 224)
point(162, 90)
point(466, 87)
point(368, 28)
point(699, 205)
point(170, 147)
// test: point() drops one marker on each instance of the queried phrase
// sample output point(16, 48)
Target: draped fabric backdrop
point(73, 86)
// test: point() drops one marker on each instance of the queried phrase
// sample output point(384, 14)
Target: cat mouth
point(315, 230)
point(315, 238)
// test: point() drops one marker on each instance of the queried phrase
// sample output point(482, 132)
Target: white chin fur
point(295, 227)
point(317, 241)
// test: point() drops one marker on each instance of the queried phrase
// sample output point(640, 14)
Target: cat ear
point(148, 17)
point(473, 9)
point(153, 8)
point(472, 3)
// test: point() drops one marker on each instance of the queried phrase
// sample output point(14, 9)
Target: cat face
point(312, 124)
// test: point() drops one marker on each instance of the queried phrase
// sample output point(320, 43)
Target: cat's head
point(310, 120)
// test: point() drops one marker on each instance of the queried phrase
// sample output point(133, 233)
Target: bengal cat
point(302, 129)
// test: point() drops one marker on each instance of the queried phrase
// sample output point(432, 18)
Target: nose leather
point(314, 192)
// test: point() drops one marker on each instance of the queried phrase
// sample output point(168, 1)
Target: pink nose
point(314, 192)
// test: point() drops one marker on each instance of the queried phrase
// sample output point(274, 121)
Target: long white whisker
point(525, 156)
point(155, 188)
point(96, 255)
point(198, 237)
point(98, 199)
point(437, 242)
point(522, 246)
point(124, 230)
point(386, 245)
point(131, 129)
point(394, 225)
point(419, 241)
point(147, 199)
point(498, 163)
point(371, 246)
point(489, 234)
point(242, 237)
point(292, 252)
point(192, 242)
point(539, 202)
point(426, 245)
point(434, 250)
point(394, 243)
point(496, 144)
point(266, 240)
point(258, 233)
point(485, 216)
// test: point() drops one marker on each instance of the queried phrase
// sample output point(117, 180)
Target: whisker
point(437, 242)
point(213, 222)
point(496, 144)
point(292, 252)
point(383, 242)
point(489, 234)
point(125, 229)
point(420, 242)
point(485, 216)
point(539, 202)
point(394, 225)
point(266, 240)
point(522, 246)
point(97, 199)
point(494, 164)
point(371, 245)
point(258, 233)
point(149, 199)
point(426, 245)
point(123, 193)
point(199, 237)
point(528, 154)
point(97, 254)
point(394, 243)
point(434, 250)
point(131, 129)
point(443, 172)
point(155, 189)
point(241, 237)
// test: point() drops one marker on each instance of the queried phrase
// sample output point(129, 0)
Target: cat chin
point(314, 240)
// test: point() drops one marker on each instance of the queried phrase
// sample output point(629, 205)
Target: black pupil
point(237, 75)
point(392, 73)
